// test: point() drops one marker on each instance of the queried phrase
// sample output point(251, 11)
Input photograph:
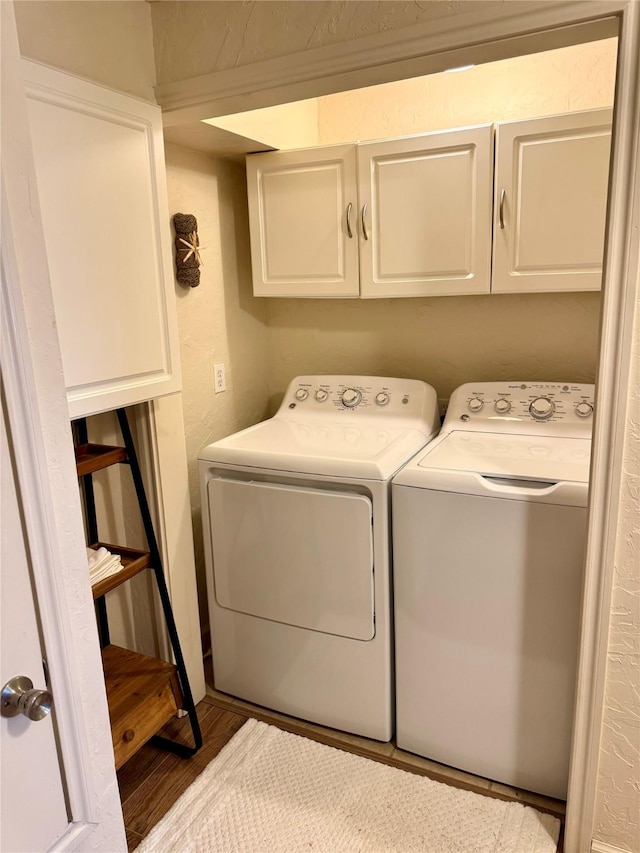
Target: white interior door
point(425, 217)
point(31, 773)
point(302, 208)
point(552, 179)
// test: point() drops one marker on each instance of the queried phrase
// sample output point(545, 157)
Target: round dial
point(502, 406)
point(382, 398)
point(351, 397)
point(475, 404)
point(321, 395)
point(542, 408)
point(301, 394)
point(583, 410)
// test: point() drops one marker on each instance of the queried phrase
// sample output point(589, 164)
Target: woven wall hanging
point(188, 260)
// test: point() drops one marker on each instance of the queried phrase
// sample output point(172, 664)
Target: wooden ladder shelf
point(143, 692)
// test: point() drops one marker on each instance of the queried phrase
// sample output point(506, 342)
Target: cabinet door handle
point(349, 231)
point(503, 192)
point(364, 223)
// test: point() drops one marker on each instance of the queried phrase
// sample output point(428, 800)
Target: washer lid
point(523, 467)
point(327, 448)
point(521, 457)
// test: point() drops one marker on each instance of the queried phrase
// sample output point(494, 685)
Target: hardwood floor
point(153, 779)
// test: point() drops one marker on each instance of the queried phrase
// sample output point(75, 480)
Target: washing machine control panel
point(552, 407)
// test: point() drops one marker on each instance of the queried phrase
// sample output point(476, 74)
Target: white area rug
point(269, 790)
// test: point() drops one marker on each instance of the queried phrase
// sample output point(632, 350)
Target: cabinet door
point(551, 201)
point(425, 215)
point(101, 183)
point(302, 207)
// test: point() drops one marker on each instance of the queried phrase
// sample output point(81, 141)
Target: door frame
point(482, 35)
point(46, 473)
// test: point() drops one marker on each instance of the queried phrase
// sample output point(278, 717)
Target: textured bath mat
point(269, 790)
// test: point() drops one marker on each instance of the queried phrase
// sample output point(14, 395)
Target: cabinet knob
point(128, 735)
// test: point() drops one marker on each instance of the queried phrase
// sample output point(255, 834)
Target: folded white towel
point(102, 564)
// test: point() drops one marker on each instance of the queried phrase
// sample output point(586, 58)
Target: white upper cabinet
point(102, 187)
point(416, 222)
point(302, 208)
point(425, 214)
point(550, 202)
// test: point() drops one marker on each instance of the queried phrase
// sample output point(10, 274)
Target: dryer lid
point(321, 447)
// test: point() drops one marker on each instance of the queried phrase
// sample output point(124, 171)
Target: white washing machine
point(489, 534)
point(297, 548)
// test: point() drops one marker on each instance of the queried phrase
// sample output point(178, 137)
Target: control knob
point(321, 395)
point(542, 408)
point(301, 394)
point(382, 398)
point(502, 406)
point(583, 410)
point(351, 397)
point(475, 404)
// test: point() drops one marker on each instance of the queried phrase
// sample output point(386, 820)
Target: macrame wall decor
point(188, 260)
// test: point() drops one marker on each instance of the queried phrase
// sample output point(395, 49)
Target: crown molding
point(482, 35)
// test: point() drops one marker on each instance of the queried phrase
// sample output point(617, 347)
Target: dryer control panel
point(369, 399)
point(552, 408)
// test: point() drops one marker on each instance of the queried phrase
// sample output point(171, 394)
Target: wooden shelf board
point(133, 562)
point(94, 457)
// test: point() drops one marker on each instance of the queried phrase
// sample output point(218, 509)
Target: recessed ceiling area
point(494, 91)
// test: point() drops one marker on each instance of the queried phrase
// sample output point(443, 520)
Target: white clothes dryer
point(297, 548)
point(489, 534)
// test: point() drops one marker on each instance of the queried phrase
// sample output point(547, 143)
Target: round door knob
point(475, 404)
point(321, 395)
point(19, 697)
point(502, 406)
point(301, 394)
point(583, 410)
point(351, 397)
point(542, 408)
point(382, 398)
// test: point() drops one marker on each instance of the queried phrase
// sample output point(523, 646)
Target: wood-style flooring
point(153, 779)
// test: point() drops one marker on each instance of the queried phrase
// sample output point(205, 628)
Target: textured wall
point(219, 320)
point(108, 41)
point(618, 803)
point(202, 37)
point(573, 78)
point(444, 341)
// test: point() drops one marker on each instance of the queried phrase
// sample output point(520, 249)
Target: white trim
point(481, 35)
point(602, 847)
point(486, 34)
point(621, 270)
